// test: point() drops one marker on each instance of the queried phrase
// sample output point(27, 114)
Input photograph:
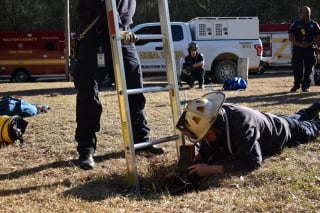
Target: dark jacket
point(305, 32)
point(189, 61)
point(253, 134)
point(90, 9)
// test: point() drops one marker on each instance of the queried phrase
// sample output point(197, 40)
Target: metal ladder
point(122, 92)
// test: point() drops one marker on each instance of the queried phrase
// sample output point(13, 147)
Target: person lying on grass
point(234, 137)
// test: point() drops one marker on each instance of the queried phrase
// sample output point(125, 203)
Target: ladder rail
point(171, 68)
point(123, 92)
point(117, 58)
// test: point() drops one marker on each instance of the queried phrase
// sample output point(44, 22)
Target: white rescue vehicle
point(222, 40)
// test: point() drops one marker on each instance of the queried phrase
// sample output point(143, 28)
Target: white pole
point(243, 66)
point(67, 36)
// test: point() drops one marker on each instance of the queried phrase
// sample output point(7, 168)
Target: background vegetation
point(38, 15)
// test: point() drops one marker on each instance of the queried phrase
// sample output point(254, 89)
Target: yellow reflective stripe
point(32, 62)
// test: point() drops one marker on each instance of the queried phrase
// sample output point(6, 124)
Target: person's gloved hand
point(128, 37)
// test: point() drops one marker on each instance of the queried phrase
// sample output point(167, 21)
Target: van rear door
point(50, 54)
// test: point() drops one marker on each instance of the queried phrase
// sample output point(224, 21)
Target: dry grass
point(42, 175)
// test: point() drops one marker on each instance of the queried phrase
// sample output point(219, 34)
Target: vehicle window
point(148, 30)
point(177, 33)
point(50, 46)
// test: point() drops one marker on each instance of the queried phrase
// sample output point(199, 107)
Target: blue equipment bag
point(235, 83)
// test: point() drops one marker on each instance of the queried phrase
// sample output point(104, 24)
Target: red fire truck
point(276, 45)
point(25, 56)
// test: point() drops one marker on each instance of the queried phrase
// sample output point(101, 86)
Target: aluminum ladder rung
point(144, 36)
point(156, 141)
point(149, 89)
point(150, 36)
point(116, 36)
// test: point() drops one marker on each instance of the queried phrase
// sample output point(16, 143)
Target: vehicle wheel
point(225, 69)
point(21, 76)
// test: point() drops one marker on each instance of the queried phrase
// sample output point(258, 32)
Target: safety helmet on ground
point(193, 46)
point(199, 115)
point(11, 129)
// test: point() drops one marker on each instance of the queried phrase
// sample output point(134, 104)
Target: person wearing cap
point(234, 137)
point(193, 67)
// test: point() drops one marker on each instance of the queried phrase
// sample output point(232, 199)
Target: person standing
point(95, 41)
point(193, 67)
point(304, 35)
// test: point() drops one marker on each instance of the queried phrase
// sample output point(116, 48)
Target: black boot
point(314, 109)
point(294, 88)
point(86, 162)
point(156, 150)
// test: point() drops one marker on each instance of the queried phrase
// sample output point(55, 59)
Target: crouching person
point(240, 137)
point(193, 67)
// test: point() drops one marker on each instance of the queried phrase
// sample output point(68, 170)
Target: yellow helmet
point(199, 115)
point(11, 129)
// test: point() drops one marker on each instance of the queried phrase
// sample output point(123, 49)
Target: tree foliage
point(21, 15)
point(39, 15)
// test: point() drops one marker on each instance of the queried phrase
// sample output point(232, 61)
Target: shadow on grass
point(18, 191)
point(272, 99)
point(33, 92)
point(161, 182)
point(59, 164)
point(99, 188)
point(50, 92)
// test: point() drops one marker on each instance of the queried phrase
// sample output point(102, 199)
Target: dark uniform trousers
point(303, 129)
point(303, 57)
point(197, 74)
point(89, 109)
